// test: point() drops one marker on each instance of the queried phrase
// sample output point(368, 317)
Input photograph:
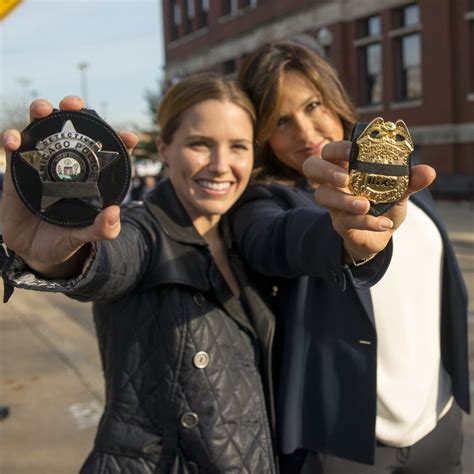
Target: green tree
point(153, 98)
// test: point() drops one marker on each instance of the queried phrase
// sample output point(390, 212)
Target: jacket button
point(189, 419)
point(193, 467)
point(199, 299)
point(201, 360)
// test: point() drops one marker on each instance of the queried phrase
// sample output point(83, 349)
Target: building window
point(406, 16)
point(371, 26)
point(407, 48)
point(229, 7)
point(370, 60)
point(229, 67)
point(470, 51)
point(408, 67)
point(203, 13)
point(175, 12)
point(411, 15)
point(188, 14)
point(247, 3)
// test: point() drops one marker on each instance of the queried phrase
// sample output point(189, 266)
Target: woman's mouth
point(214, 187)
point(313, 150)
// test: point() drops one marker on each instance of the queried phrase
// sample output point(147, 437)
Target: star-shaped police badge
point(70, 166)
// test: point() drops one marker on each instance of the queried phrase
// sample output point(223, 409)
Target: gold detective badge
point(379, 165)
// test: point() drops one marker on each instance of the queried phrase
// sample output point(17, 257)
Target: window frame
point(366, 40)
point(398, 34)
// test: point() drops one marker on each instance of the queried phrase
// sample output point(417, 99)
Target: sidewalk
point(50, 378)
point(50, 374)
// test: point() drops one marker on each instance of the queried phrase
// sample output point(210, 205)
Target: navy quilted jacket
point(187, 369)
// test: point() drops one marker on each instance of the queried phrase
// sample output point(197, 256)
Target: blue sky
point(43, 41)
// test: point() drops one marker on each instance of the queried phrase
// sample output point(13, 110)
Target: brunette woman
point(371, 370)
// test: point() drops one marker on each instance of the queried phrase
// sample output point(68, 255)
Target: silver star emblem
point(69, 164)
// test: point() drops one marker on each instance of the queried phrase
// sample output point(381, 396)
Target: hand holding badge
point(71, 165)
point(379, 164)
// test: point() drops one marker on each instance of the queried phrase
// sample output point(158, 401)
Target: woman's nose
point(303, 128)
point(219, 162)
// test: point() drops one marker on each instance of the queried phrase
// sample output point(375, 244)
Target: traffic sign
point(6, 6)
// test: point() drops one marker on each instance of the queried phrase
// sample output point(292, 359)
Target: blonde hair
point(261, 76)
point(191, 91)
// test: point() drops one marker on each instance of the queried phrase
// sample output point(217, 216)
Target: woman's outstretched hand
point(53, 251)
point(362, 233)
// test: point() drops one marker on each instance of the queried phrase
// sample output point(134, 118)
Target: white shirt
point(413, 389)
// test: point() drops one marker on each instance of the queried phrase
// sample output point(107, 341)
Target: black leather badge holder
point(379, 163)
point(69, 167)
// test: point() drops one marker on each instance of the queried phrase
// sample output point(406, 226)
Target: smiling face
point(210, 159)
point(305, 125)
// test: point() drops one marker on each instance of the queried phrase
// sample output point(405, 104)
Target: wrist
point(357, 259)
point(67, 269)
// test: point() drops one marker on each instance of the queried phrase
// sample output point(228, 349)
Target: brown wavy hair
point(261, 76)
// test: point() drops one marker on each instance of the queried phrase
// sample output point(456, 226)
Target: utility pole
point(24, 83)
point(83, 71)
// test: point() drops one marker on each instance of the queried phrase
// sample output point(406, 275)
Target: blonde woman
point(185, 340)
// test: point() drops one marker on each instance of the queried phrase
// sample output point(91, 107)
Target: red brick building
point(398, 58)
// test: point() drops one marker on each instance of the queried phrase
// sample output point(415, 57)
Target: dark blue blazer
point(326, 343)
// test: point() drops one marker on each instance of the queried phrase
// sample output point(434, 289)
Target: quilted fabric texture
point(159, 303)
point(151, 341)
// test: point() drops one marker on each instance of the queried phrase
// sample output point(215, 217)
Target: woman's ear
point(162, 149)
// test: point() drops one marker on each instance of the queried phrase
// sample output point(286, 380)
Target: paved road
point(459, 218)
point(50, 376)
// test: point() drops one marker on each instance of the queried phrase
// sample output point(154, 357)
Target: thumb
point(106, 226)
point(421, 176)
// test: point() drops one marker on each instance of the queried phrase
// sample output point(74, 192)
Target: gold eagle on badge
point(381, 171)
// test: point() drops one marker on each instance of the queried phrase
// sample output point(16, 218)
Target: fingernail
point(41, 103)
point(8, 140)
point(340, 178)
point(385, 223)
point(72, 97)
point(360, 205)
point(113, 221)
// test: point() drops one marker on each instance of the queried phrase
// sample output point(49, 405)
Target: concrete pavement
point(50, 378)
point(50, 374)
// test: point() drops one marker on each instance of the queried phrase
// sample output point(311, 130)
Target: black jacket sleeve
point(114, 268)
point(282, 234)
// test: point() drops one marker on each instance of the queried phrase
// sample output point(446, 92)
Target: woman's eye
point(313, 105)
point(239, 146)
point(198, 144)
point(282, 121)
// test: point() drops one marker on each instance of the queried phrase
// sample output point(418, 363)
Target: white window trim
point(367, 40)
point(406, 104)
point(405, 30)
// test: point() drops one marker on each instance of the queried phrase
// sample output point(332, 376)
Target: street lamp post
point(83, 69)
point(24, 84)
point(22, 116)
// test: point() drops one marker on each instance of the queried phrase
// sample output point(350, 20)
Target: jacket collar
point(175, 222)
